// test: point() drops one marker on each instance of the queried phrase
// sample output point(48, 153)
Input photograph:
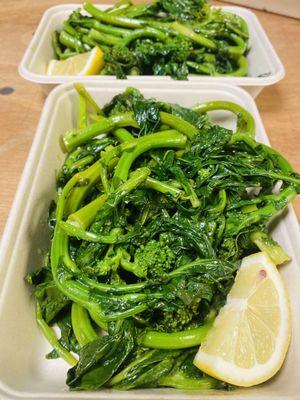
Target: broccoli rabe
point(152, 260)
point(149, 227)
point(173, 38)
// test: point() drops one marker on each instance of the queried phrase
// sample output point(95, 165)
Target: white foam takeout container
point(24, 371)
point(265, 67)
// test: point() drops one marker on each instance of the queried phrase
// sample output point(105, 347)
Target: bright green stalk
point(246, 124)
point(82, 218)
point(81, 163)
point(76, 231)
point(95, 317)
point(111, 19)
point(75, 137)
point(52, 339)
point(266, 213)
point(163, 187)
point(105, 206)
point(109, 29)
point(83, 181)
point(72, 42)
point(104, 38)
point(265, 243)
point(165, 139)
point(69, 29)
point(81, 90)
point(241, 45)
point(82, 112)
point(118, 7)
point(284, 165)
point(123, 135)
point(194, 37)
point(81, 324)
point(56, 45)
point(237, 18)
point(187, 187)
point(86, 179)
point(241, 70)
point(104, 28)
point(179, 124)
point(176, 340)
point(89, 41)
point(145, 32)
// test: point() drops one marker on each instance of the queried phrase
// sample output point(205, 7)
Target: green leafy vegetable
point(149, 227)
point(169, 38)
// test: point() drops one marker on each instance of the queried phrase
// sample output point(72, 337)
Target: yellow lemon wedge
point(250, 337)
point(89, 63)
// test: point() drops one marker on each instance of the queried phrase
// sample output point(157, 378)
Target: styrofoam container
point(265, 67)
point(24, 372)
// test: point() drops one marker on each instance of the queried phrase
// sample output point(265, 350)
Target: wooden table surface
point(21, 101)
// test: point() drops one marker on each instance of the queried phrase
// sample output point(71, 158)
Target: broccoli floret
point(156, 257)
point(151, 260)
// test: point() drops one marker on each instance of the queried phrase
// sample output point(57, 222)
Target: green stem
point(81, 163)
point(111, 19)
point(55, 44)
point(209, 69)
point(241, 70)
point(163, 187)
point(145, 32)
point(52, 339)
point(266, 213)
point(75, 137)
point(165, 139)
point(123, 135)
point(241, 45)
point(105, 205)
point(83, 181)
point(111, 30)
point(194, 37)
point(72, 42)
point(81, 90)
point(176, 340)
point(265, 243)
point(82, 218)
point(246, 124)
point(98, 321)
point(82, 112)
point(283, 164)
point(104, 38)
point(76, 231)
point(81, 324)
point(90, 42)
point(179, 124)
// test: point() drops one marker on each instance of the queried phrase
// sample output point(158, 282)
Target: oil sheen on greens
point(164, 37)
point(148, 227)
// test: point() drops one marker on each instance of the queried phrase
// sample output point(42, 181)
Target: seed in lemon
point(249, 339)
point(89, 63)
